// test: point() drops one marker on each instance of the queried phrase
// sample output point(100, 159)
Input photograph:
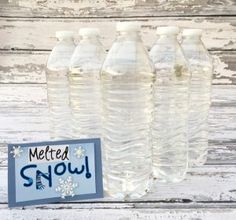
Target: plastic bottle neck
point(90, 39)
point(170, 38)
point(192, 39)
point(67, 39)
point(193, 44)
point(128, 35)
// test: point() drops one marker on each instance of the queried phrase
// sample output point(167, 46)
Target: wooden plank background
point(27, 30)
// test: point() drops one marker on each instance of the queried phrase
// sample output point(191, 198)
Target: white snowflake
point(79, 152)
point(16, 151)
point(66, 187)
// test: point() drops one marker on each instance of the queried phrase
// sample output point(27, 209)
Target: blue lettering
point(75, 170)
point(30, 180)
point(88, 174)
point(59, 170)
point(63, 169)
point(47, 176)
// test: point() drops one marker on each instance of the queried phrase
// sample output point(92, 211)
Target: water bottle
point(127, 77)
point(200, 94)
point(84, 80)
point(171, 96)
point(57, 85)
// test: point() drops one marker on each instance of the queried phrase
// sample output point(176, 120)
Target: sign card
point(57, 171)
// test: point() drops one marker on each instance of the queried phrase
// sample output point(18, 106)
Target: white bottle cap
point(192, 32)
point(89, 32)
point(127, 26)
point(167, 30)
point(64, 34)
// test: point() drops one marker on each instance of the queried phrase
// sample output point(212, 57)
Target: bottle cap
point(89, 32)
point(192, 32)
point(167, 30)
point(127, 26)
point(64, 34)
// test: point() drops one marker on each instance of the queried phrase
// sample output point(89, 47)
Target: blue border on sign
point(98, 173)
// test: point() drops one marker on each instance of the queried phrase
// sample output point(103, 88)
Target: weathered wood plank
point(31, 124)
point(23, 95)
point(222, 124)
point(115, 8)
point(220, 153)
point(35, 33)
point(26, 67)
point(224, 67)
point(135, 204)
point(35, 95)
point(19, 100)
point(74, 213)
point(19, 124)
point(29, 67)
point(203, 184)
point(23, 117)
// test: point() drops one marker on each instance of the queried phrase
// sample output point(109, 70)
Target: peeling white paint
point(23, 98)
point(221, 70)
point(28, 67)
point(39, 33)
point(101, 8)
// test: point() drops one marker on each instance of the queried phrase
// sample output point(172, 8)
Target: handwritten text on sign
point(48, 154)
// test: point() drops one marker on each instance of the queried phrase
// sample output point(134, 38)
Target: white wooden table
point(26, 36)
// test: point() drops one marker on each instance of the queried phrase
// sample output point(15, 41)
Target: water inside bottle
point(127, 107)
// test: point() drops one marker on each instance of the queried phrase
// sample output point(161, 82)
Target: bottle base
point(173, 176)
point(134, 193)
point(127, 196)
point(195, 161)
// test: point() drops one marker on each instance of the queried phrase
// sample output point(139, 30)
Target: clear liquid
point(127, 107)
point(200, 97)
point(85, 103)
point(170, 127)
point(58, 99)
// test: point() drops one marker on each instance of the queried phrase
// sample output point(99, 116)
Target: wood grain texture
point(118, 214)
point(29, 67)
point(23, 67)
point(115, 8)
point(73, 212)
point(30, 100)
point(202, 184)
point(220, 153)
point(38, 34)
point(24, 118)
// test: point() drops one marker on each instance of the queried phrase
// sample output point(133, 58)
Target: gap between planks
point(120, 214)
point(121, 17)
point(127, 205)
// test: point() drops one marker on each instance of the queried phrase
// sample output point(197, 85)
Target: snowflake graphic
point(79, 152)
point(16, 151)
point(66, 187)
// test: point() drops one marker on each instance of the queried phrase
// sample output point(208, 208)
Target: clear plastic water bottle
point(200, 94)
point(171, 95)
point(57, 85)
point(84, 78)
point(127, 78)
